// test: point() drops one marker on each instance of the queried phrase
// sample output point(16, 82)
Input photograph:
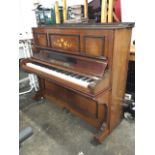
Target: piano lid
point(89, 66)
point(116, 25)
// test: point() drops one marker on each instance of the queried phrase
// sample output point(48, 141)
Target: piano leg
point(39, 94)
point(103, 131)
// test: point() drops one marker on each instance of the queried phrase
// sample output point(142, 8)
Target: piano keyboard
point(68, 76)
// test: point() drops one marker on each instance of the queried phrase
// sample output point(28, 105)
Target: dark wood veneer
point(41, 39)
point(94, 45)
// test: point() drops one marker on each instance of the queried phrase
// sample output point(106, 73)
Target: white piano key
point(60, 75)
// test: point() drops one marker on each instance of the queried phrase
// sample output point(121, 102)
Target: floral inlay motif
point(61, 43)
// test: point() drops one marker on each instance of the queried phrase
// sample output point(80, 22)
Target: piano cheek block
point(68, 83)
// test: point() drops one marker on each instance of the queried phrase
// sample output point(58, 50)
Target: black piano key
point(63, 72)
point(75, 75)
point(58, 70)
point(80, 77)
point(88, 79)
point(85, 79)
point(91, 80)
point(72, 74)
point(68, 73)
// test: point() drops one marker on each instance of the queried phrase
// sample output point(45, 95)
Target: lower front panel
point(84, 107)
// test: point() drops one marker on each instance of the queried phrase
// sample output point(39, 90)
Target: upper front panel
point(40, 39)
point(94, 45)
point(85, 42)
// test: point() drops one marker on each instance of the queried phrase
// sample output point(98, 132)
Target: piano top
point(93, 26)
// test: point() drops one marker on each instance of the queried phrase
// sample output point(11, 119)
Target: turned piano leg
point(103, 131)
point(40, 93)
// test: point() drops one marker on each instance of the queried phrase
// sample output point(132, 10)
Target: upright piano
point(83, 68)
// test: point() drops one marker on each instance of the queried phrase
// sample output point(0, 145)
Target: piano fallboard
point(89, 66)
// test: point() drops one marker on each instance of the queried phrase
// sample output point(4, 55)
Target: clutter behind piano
point(91, 12)
point(46, 16)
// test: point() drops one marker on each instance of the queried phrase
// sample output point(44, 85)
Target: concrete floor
point(58, 132)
